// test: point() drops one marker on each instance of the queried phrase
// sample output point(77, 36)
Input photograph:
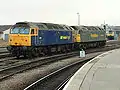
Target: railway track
point(7, 72)
point(64, 82)
point(44, 83)
point(26, 64)
point(3, 50)
point(10, 61)
point(49, 81)
point(4, 55)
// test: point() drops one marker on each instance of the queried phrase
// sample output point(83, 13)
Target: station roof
point(4, 27)
point(115, 28)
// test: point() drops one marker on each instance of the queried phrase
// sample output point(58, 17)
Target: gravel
point(22, 80)
point(3, 43)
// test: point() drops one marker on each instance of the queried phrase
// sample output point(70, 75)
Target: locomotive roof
point(87, 28)
point(50, 26)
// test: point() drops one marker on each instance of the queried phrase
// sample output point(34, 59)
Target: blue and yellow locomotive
point(27, 38)
point(34, 39)
point(110, 35)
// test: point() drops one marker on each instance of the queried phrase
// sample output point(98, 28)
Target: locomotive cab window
point(32, 31)
point(110, 32)
point(19, 30)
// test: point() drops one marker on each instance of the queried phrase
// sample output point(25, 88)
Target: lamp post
point(78, 18)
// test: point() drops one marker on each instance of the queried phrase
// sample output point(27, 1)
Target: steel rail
point(7, 72)
point(30, 87)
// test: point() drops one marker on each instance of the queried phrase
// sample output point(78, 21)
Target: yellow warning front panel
point(78, 39)
point(19, 40)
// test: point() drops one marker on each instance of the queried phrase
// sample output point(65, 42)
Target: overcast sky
point(92, 12)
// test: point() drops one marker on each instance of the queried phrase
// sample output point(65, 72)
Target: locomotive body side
point(51, 34)
point(90, 36)
point(52, 37)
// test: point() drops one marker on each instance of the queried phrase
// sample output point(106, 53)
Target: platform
point(101, 73)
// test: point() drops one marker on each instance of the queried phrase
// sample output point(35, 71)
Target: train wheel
point(34, 52)
point(29, 53)
point(25, 56)
point(40, 52)
point(63, 50)
point(18, 56)
point(45, 51)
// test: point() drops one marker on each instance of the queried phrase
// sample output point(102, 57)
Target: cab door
point(34, 36)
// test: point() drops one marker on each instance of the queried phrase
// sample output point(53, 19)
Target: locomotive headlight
point(40, 37)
